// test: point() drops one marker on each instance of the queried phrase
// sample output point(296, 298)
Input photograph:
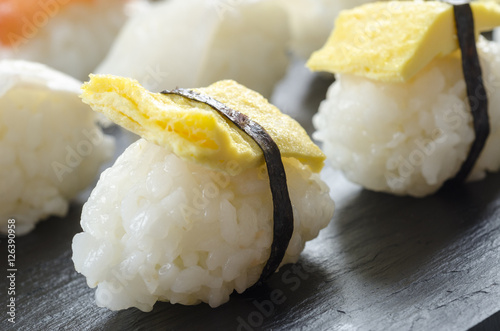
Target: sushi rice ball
point(72, 36)
point(50, 145)
point(198, 42)
point(401, 124)
point(175, 219)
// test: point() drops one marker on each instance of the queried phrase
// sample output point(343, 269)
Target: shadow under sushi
point(45, 276)
point(373, 226)
point(270, 305)
point(407, 254)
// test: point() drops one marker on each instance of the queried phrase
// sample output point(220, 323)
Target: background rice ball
point(159, 228)
point(409, 138)
point(70, 36)
point(198, 42)
point(50, 145)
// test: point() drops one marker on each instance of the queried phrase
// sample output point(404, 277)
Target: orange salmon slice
point(21, 19)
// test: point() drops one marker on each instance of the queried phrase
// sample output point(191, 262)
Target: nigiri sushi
point(72, 36)
point(50, 145)
point(186, 213)
point(198, 42)
point(398, 118)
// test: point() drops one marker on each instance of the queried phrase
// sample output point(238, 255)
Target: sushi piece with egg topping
point(398, 118)
point(185, 214)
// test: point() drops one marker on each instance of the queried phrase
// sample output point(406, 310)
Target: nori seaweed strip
point(282, 206)
point(476, 92)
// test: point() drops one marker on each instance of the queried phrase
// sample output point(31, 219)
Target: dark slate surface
point(384, 263)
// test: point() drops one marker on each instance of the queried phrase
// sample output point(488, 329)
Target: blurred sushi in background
point(398, 118)
point(197, 42)
point(50, 145)
point(71, 36)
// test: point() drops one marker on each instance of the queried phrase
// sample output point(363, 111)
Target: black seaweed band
point(476, 92)
point(282, 206)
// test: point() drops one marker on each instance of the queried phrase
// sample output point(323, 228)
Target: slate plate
point(384, 263)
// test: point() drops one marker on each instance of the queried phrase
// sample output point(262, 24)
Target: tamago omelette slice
point(192, 130)
point(392, 41)
point(185, 215)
